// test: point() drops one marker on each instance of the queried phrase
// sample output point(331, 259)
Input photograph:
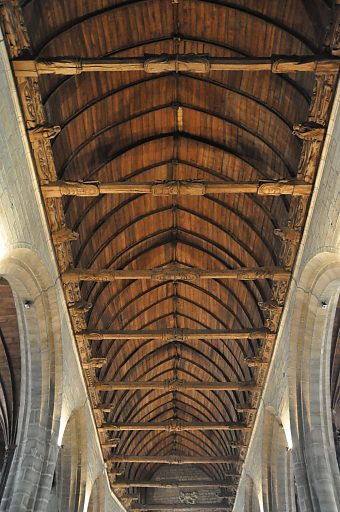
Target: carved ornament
point(175, 426)
point(64, 235)
point(187, 63)
point(321, 97)
point(309, 131)
point(14, 28)
point(173, 384)
point(297, 213)
point(290, 238)
point(80, 305)
point(43, 132)
point(173, 275)
point(272, 311)
point(174, 335)
point(288, 234)
point(176, 187)
point(282, 187)
point(188, 498)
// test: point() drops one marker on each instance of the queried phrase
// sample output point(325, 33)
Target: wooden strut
point(174, 459)
point(175, 63)
point(177, 335)
point(177, 187)
point(168, 484)
point(175, 385)
point(174, 274)
point(173, 426)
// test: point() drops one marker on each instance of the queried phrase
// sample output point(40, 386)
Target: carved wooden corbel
point(94, 362)
point(288, 234)
point(64, 235)
point(255, 362)
point(290, 238)
point(43, 132)
point(309, 131)
point(272, 311)
point(80, 305)
point(14, 28)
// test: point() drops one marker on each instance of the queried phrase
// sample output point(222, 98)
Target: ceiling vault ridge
point(176, 261)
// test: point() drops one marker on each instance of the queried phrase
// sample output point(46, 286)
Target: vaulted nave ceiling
point(184, 170)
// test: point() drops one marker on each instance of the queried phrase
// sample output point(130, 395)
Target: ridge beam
point(174, 274)
point(176, 187)
point(178, 334)
point(165, 63)
point(173, 426)
point(174, 459)
point(176, 385)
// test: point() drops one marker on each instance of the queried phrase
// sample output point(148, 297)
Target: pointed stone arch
point(71, 468)
point(315, 466)
point(97, 497)
point(275, 465)
point(41, 382)
point(251, 499)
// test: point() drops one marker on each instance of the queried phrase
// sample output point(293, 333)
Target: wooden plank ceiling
point(135, 127)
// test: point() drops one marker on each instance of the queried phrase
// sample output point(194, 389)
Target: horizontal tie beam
point(177, 187)
point(173, 426)
point(180, 508)
point(179, 334)
point(175, 274)
point(176, 385)
point(168, 484)
point(165, 63)
point(174, 459)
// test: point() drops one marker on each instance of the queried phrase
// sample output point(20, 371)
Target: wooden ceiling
point(140, 128)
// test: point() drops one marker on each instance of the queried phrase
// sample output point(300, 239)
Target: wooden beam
point(173, 426)
point(181, 508)
point(174, 459)
point(254, 362)
point(113, 443)
point(178, 187)
point(175, 385)
point(95, 362)
point(179, 334)
point(169, 63)
point(238, 446)
point(174, 274)
point(169, 484)
point(245, 409)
